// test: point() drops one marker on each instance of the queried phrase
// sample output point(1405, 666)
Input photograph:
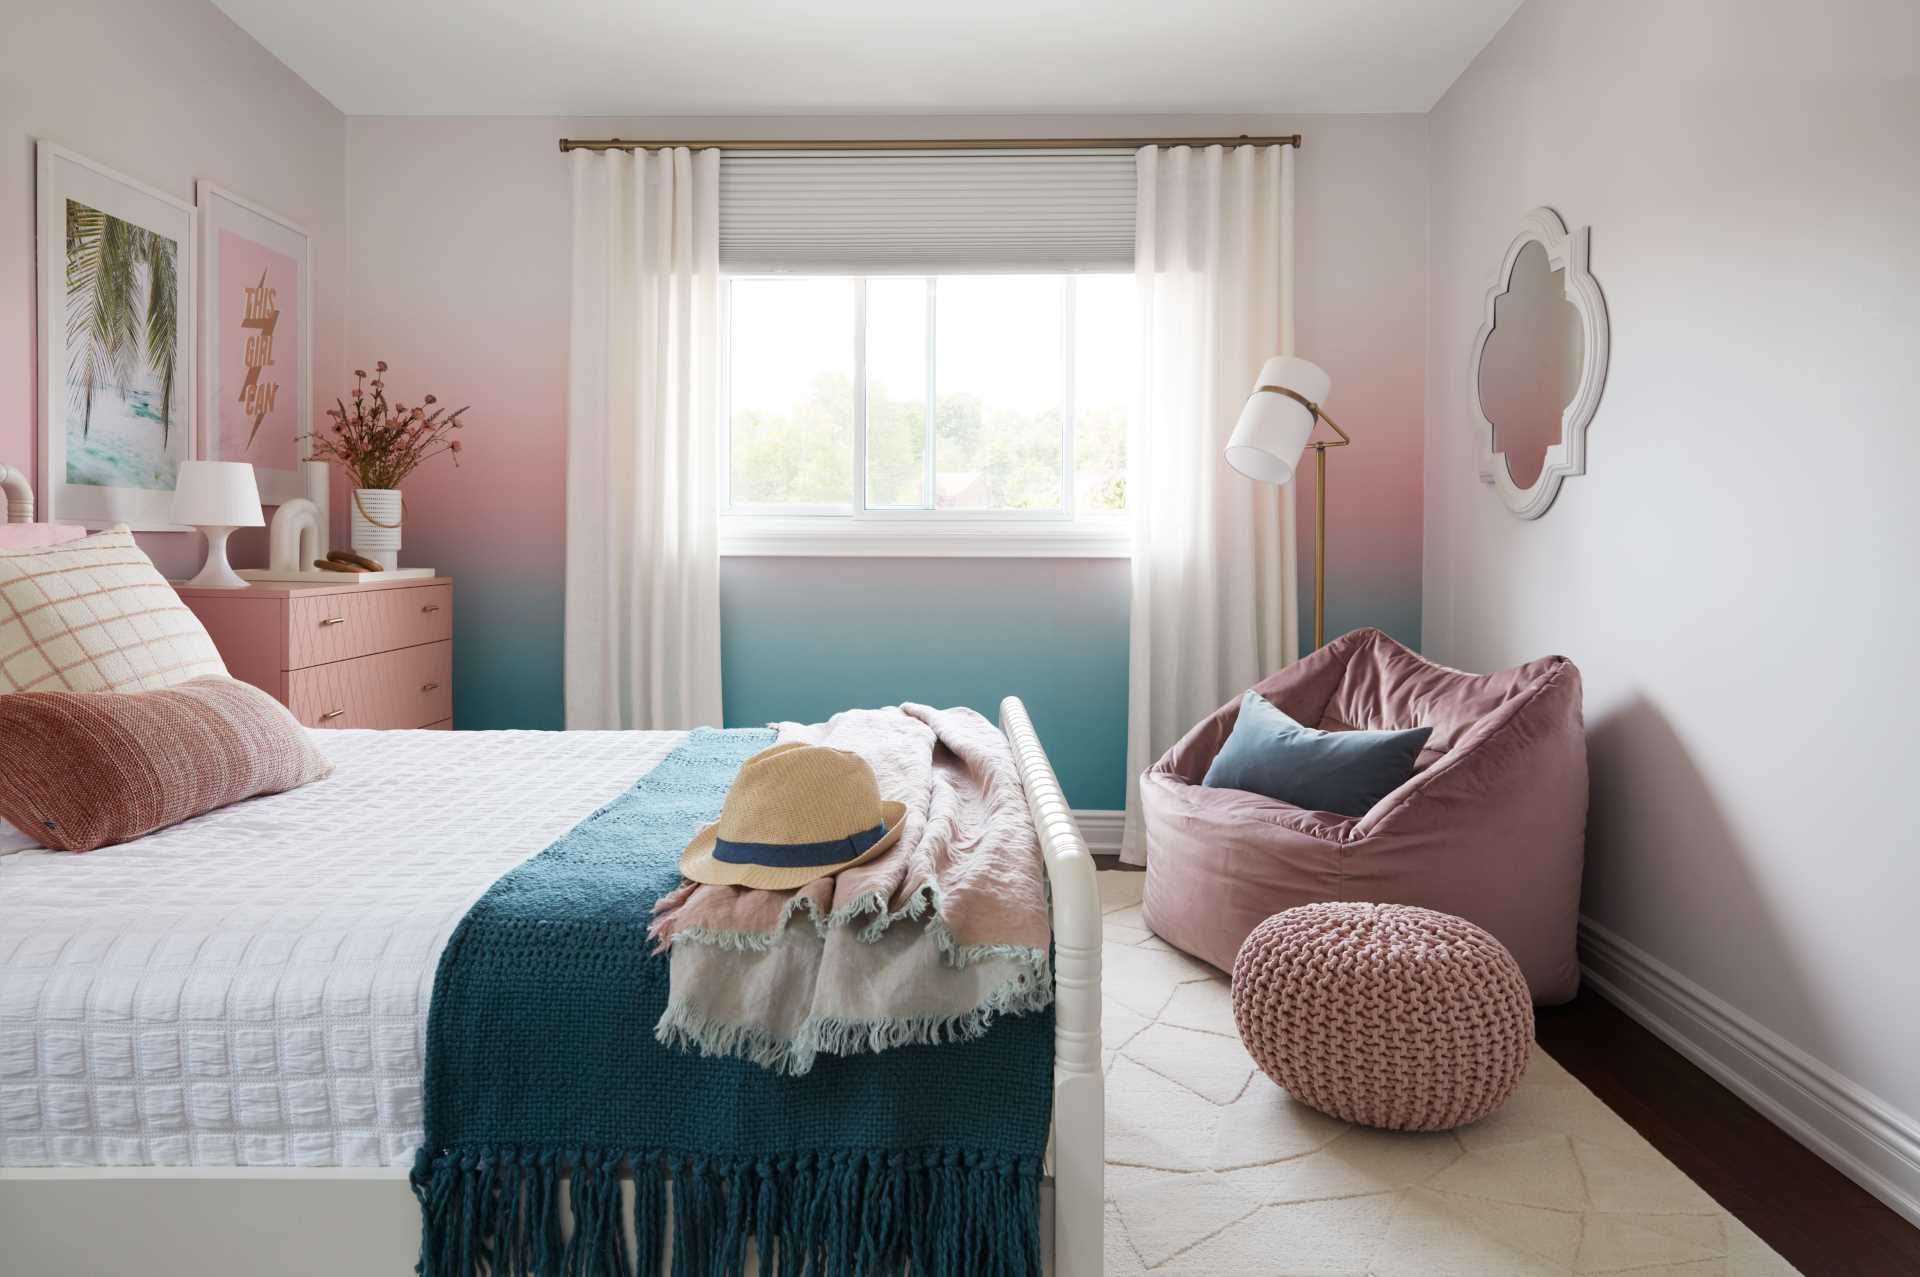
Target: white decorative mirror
point(1538, 364)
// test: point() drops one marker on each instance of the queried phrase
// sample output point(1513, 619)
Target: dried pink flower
point(381, 442)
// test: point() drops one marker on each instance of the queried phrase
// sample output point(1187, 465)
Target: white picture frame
point(273, 432)
point(106, 385)
point(1565, 252)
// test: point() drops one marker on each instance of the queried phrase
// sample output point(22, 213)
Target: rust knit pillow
point(80, 770)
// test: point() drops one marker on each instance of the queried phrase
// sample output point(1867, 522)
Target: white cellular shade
point(918, 212)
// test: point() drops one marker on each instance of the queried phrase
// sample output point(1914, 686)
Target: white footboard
point(1079, 1096)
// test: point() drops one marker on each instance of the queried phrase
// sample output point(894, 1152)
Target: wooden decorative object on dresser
point(378, 654)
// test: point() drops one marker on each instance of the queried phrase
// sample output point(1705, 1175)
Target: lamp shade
point(217, 494)
point(1273, 429)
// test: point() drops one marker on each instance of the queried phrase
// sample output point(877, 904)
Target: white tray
point(314, 576)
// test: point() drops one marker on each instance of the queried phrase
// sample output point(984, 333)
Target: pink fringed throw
point(926, 943)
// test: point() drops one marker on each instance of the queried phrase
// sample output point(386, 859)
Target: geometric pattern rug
point(1212, 1169)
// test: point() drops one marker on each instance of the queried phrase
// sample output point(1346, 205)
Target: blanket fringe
point(938, 1213)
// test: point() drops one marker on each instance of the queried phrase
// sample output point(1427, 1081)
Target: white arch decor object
point(1565, 252)
point(294, 541)
point(19, 494)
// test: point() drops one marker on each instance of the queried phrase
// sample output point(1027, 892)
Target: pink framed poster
point(257, 306)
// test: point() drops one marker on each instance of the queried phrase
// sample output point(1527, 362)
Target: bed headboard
point(19, 494)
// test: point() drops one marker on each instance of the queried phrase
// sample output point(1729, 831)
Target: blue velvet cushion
point(1344, 772)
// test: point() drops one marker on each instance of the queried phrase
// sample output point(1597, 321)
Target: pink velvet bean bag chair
point(1491, 828)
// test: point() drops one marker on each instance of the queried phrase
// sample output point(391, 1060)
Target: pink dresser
point(374, 655)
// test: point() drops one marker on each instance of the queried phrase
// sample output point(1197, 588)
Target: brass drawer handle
point(430, 607)
point(332, 713)
point(429, 687)
point(333, 620)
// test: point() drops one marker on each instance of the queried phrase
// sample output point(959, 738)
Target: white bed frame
point(166, 1221)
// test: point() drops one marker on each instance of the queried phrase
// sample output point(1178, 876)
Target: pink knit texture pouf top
point(1385, 1015)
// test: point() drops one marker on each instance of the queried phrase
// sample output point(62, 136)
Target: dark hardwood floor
point(1820, 1221)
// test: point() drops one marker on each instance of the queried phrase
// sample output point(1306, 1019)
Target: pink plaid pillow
point(95, 615)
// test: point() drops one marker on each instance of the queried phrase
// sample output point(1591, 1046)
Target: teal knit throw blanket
point(541, 1062)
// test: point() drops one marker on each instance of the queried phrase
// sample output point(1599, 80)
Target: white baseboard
point(1101, 829)
point(1861, 1135)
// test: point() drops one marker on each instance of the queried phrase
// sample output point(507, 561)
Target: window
point(953, 401)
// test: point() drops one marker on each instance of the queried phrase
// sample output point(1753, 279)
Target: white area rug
point(1211, 1168)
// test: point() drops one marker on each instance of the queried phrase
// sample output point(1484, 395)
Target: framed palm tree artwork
point(257, 347)
point(116, 267)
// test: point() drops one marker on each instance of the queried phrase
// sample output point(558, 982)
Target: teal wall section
point(509, 658)
point(803, 638)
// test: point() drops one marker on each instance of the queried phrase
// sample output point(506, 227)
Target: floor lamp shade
point(1273, 428)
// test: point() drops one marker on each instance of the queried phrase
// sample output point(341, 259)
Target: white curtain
point(1215, 584)
point(643, 566)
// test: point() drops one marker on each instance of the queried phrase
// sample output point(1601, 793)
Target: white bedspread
point(251, 987)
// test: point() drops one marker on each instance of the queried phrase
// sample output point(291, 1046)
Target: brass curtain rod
point(928, 144)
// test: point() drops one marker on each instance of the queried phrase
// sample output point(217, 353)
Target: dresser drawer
point(412, 687)
point(323, 628)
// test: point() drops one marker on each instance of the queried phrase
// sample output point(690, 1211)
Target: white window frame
point(860, 530)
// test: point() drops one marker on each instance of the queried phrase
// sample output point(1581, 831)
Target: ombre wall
point(458, 277)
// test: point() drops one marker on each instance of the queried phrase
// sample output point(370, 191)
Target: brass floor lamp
point(1275, 429)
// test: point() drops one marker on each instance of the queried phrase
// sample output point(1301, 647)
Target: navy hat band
point(798, 855)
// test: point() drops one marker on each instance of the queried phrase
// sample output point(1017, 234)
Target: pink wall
point(164, 91)
point(1735, 573)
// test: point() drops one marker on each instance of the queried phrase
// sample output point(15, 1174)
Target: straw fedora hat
point(794, 813)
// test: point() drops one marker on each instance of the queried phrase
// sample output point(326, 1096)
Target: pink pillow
point(90, 769)
point(31, 536)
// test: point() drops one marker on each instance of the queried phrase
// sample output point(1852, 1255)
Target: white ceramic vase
point(377, 514)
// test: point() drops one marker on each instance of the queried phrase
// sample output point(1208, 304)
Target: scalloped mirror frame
point(1568, 253)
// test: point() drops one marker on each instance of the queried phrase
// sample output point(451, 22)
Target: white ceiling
point(759, 57)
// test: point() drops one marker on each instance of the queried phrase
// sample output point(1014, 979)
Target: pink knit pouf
point(1385, 1015)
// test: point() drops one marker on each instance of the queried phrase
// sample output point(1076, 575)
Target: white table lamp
point(1273, 432)
point(217, 497)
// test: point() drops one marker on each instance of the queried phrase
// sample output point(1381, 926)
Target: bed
point(211, 1038)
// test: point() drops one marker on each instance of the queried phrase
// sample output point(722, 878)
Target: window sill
point(745, 536)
